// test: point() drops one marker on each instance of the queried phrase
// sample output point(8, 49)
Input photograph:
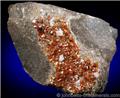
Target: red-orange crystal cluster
point(72, 73)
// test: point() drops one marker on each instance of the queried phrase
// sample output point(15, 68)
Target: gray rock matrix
point(95, 37)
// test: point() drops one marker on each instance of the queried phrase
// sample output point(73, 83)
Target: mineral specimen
point(63, 48)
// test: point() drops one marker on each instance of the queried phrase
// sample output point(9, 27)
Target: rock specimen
point(63, 48)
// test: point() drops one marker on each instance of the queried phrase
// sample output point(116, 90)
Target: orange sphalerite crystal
point(72, 73)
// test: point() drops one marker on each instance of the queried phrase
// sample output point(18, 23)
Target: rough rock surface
point(38, 30)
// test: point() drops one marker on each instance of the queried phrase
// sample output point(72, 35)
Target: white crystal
point(34, 21)
point(61, 57)
point(81, 60)
point(96, 74)
point(77, 83)
point(76, 76)
point(52, 21)
point(59, 32)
